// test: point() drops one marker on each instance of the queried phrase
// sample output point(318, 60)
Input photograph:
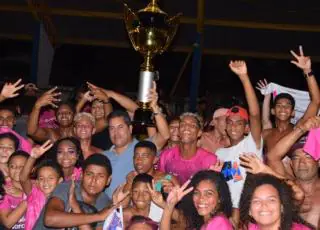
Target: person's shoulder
point(204, 153)
point(169, 151)
point(220, 221)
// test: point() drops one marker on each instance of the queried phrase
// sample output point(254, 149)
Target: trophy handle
point(130, 18)
point(173, 24)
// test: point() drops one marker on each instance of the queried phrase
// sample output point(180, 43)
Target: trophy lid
point(153, 7)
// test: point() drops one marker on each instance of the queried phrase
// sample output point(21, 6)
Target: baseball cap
point(238, 110)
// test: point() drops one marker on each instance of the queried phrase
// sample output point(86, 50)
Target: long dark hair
point(289, 214)
point(194, 220)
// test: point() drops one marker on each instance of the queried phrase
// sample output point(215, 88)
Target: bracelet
point(309, 74)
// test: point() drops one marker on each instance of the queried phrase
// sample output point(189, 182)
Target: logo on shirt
point(231, 171)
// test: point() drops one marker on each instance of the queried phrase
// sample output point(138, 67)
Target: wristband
point(309, 74)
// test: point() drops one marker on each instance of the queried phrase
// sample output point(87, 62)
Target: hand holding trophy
point(151, 32)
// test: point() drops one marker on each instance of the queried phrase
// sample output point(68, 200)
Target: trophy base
point(143, 117)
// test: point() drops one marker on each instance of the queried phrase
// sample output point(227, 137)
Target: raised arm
point(304, 63)
point(161, 136)
point(279, 151)
point(86, 97)
point(36, 152)
point(123, 100)
point(266, 122)
point(240, 69)
point(48, 98)
point(9, 90)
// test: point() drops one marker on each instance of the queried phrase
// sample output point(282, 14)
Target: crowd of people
point(76, 165)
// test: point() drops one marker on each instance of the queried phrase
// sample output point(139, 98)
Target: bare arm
point(48, 98)
point(36, 152)
point(56, 217)
point(240, 68)
point(279, 151)
point(304, 63)
point(165, 223)
point(10, 217)
point(266, 122)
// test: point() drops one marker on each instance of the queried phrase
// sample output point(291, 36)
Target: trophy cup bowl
point(151, 32)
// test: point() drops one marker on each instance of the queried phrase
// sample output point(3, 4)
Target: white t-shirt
point(234, 174)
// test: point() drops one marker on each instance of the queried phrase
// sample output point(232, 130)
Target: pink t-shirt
point(218, 222)
point(295, 226)
point(10, 203)
point(24, 144)
point(172, 162)
point(36, 201)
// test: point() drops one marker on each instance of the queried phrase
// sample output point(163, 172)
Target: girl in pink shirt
point(13, 205)
point(68, 154)
point(205, 204)
point(48, 176)
point(267, 203)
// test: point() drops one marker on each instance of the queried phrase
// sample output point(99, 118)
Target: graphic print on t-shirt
point(231, 171)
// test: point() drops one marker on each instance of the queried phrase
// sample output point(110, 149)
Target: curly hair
point(53, 152)
point(194, 220)
point(289, 214)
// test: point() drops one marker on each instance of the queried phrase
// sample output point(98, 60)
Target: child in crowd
point(68, 154)
point(141, 200)
point(48, 176)
point(144, 159)
point(9, 143)
point(14, 205)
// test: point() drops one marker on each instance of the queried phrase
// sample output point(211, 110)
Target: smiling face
point(189, 131)
point(265, 207)
point(143, 160)
point(283, 109)
point(95, 179)
point(141, 197)
point(174, 131)
point(236, 127)
point(7, 118)
point(7, 147)
point(16, 164)
point(205, 198)
point(304, 166)
point(47, 180)
point(65, 116)
point(84, 128)
point(97, 110)
point(67, 155)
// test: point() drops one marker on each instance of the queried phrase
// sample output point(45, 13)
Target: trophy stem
point(147, 64)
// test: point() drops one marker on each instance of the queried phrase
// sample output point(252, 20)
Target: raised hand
point(239, 68)
point(9, 90)
point(153, 96)
point(73, 203)
point(100, 95)
point(177, 193)
point(217, 167)
point(156, 196)
point(262, 86)
point(302, 62)
point(49, 98)
point(38, 151)
point(88, 96)
point(252, 163)
point(118, 195)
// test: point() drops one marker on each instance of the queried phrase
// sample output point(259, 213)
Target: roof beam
point(181, 49)
point(185, 20)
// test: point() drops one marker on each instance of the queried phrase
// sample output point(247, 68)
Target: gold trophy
point(151, 32)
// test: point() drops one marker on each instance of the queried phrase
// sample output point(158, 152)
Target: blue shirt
point(121, 164)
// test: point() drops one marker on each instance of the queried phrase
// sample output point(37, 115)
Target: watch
point(309, 74)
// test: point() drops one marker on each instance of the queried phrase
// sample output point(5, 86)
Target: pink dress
point(171, 162)
point(219, 222)
point(295, 226)
point(36, 201)
point(10, 203)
